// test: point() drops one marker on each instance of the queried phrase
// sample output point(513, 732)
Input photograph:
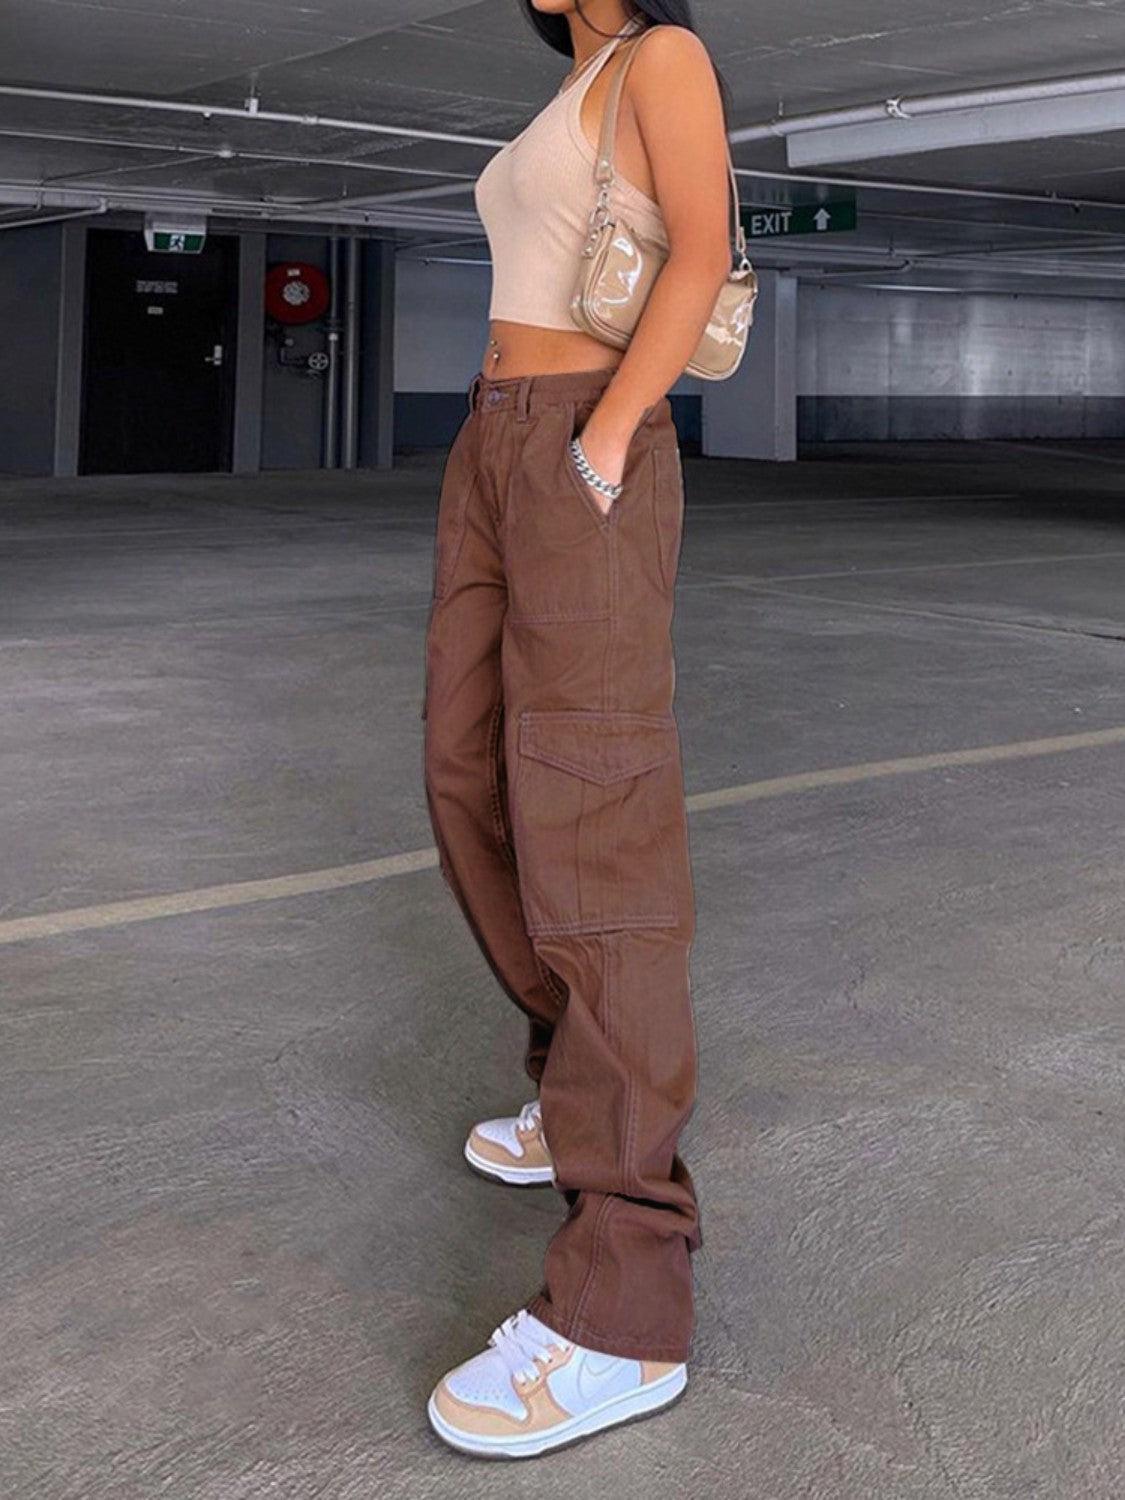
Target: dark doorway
point(158, 381)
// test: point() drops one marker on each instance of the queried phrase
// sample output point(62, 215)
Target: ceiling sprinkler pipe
point(231, 112)
point(37, 219)
point(281, 210)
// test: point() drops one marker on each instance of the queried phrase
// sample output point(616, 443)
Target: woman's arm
point(675, 97)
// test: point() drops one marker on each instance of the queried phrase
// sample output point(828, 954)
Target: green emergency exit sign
point(175, 241)
point(780, 219)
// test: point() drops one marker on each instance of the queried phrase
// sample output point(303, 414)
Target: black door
point(158, 382)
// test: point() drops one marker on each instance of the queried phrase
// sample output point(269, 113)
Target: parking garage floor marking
point(893, 568)
point(751, 505)
point(314, 882)
point(950, 615)
point(1114, 460)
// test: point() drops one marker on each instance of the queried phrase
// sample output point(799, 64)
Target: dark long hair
point(555, 31)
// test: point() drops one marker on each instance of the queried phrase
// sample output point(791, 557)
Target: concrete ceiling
point(477, 70)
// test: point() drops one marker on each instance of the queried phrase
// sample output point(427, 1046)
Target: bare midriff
point(525, 349)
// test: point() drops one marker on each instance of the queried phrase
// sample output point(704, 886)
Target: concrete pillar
point(250, 353)
point(71, 329)
point(754, 413)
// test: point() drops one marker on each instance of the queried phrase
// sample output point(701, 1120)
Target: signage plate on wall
point(776, 220)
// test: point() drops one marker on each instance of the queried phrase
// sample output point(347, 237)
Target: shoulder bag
point(619, 265)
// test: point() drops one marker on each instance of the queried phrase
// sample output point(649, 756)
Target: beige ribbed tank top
point(534, 198)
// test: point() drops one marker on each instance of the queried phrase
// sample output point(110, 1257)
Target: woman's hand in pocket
point(606, 449)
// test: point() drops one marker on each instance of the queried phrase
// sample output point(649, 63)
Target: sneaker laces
point(530, 1116)
point(521, 1346)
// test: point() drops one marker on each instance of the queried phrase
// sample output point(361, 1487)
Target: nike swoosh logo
point(592, 1374)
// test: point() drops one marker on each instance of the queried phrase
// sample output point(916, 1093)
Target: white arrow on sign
point(822, 218)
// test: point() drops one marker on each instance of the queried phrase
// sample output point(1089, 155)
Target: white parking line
point(315, 882)
point(1069, 453)
point(930, 567)
point(214, 897)
point(871, 770)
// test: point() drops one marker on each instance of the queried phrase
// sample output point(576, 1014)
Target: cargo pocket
point(595, 797)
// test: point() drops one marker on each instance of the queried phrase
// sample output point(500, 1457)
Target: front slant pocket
point(557, 562)
point(596, 799)
point(668, 509)
point(578, 416)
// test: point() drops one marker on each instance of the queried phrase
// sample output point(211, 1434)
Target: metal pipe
point(80, 213)
point(332, 378)
point(221, 153)
point(31, 195)
point(225, 153)
point(25, 194)
point(351, 353)
point(400, 195)
point(232, 112)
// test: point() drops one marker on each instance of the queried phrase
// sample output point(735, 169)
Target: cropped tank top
point(534, 198)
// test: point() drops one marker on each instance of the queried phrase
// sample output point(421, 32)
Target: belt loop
point(474, 387)
point(522, 396)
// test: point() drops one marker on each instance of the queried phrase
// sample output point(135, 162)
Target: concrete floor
point(239, 1240)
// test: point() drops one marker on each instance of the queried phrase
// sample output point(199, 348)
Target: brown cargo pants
point(555, 789)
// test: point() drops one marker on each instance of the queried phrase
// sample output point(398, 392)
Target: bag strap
point(603, 166)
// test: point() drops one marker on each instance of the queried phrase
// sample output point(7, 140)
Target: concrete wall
point(441, 327)
point(872, 364)
point(441, 324)
point(899, 365)
point(30, 269)
point(440, 338)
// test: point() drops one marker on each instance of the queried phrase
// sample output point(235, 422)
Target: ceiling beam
point(987, 125)
point(903, 109)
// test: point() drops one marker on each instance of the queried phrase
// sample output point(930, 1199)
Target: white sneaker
point(532, 1390)
point(512, 1150)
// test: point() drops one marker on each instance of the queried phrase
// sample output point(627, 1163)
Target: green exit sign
point(780, 219)
point(176, 235)
point(176, 242)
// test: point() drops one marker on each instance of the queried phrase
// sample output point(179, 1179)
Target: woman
point(552, 761)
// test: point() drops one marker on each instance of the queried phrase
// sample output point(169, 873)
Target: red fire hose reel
point(296, 292)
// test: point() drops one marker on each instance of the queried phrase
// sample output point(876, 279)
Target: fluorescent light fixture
point(983, 125)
